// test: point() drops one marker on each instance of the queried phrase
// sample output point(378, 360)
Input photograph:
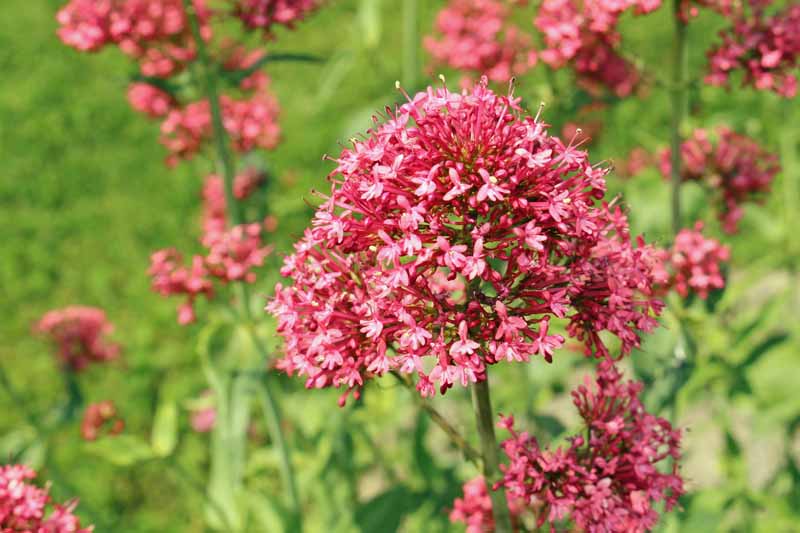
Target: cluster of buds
point(477, 193)
point(154, 32)
point(765, 48)
point(101, 417)
point(609, 478)
point(80, 334)
point(24, 506)
point(477, 36)
point(735, 166)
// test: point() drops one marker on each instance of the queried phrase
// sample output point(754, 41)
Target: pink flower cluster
point(584, 35)
point(214, 214)
point(101, 416)
point(23, 506)
point(80, 334)
point(465, 187)
point(735, 166)
point(476, 35)
point(609, 478)
point(765, 48)
point(475, 508)
point(264, 14)
point(694, 262)
point(150, 100)
point(251, 122)
point(154, 32)
point(232, 254)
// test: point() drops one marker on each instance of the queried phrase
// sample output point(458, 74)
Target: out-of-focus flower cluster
point(251, 122)
point(478, 36)
point(584, 35)
point(231, 253)
point(264, 14)
point(24, 506)
point(735, 166)
point(154, 32)
point(477, 194)
point(764, 48)
point(694, 263)
point(80, 334)
point(101, 417)
point(610, 478)
point(475, 508)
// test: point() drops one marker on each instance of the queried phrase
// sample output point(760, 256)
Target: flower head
point(736, 167)
point(264, 14)
point(467, 187)
point(80, 334)
point(477, 35)
point(696, 262)
point(24, 506)
point(607, 479)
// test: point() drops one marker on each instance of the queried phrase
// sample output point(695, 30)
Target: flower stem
point(484, 417)
point(678, 99)
point(456, 438)
point(218, 127)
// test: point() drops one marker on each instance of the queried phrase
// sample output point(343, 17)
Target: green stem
point(410, 43)
point(678, 98)
point(218, 127)
point(484, 417)
point(456, 438)
point(272, 414)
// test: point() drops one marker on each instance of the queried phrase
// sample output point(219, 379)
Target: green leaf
point(385, 511)
point(164, 437)
point(122, 450)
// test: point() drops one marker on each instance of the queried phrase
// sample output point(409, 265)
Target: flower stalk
point(482, 404)
point(266, 396)
point(678, 98)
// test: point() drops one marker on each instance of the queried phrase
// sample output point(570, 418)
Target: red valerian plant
point(477, 36)
point(736, 167)
point(765, 48)
point(101, 417)
point(465, 186)
point(24, 506)
point(81, 335)
point(475, 508)
point(694, 262)
point(606, 480)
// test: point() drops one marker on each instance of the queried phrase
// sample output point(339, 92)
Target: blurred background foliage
point(85, 198)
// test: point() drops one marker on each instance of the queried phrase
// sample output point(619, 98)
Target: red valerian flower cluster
point(608, 479)
point(263, 14)
point(466, 187)
point(476, 35)
point(584, 35)
point(150, 100)
point(154, 32)
point(475, 508)
point(24, 506)
point(214, 213)
point(765, 48)
point(80, 334)
point(232, 254)
point(101, 416)
point(735, 166)
point(694, 262)
point(251, 122)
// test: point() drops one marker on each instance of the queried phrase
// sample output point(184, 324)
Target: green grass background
point(85, 198)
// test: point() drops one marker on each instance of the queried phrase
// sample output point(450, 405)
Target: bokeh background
point(85, 198)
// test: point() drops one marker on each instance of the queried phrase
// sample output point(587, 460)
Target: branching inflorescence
point(459, 191)
point(610, 478)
